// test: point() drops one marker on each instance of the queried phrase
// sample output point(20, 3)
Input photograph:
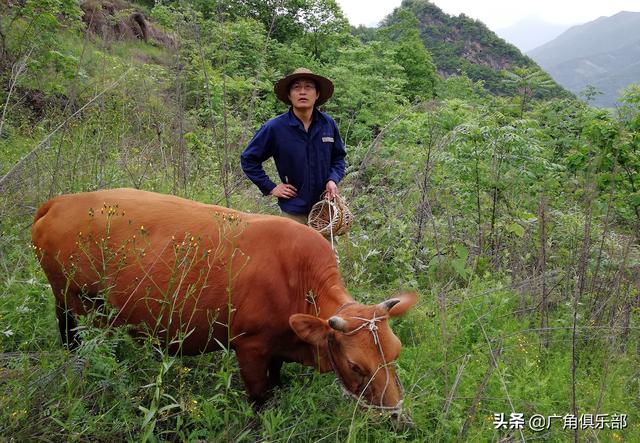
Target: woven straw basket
point(330, 215)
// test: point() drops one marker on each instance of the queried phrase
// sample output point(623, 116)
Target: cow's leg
point(67, 325)
point(254, 361)
point(275, 364)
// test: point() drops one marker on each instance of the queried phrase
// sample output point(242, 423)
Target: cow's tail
point(42, 210)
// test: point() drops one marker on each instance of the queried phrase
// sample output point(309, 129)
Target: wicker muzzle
point(329, 216)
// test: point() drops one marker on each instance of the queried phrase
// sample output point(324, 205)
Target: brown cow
point(173, 267)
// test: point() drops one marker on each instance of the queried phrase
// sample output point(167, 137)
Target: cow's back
point(184, 262)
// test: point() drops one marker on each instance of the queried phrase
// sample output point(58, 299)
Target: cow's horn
point(388, 304)
point(337, 323)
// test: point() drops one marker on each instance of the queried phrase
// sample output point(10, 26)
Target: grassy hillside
point(515, 219)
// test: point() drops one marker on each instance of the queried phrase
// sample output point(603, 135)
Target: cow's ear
point(400, 303)
point(311, 329)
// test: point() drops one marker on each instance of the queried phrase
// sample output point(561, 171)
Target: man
point(305, 145)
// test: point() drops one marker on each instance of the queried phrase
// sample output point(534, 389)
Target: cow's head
point(361, 347)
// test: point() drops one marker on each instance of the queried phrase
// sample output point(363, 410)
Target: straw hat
point(325, 86)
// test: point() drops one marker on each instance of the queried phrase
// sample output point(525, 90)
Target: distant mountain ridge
point(604, 53)
point(531, 32)
point(464, 45)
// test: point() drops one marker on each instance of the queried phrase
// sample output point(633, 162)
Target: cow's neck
point(319, 291)
point(322, 299)
point(327, 295)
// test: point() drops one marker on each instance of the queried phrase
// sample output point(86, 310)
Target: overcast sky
point(497, 14)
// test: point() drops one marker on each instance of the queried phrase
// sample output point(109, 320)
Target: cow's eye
point(355, 368)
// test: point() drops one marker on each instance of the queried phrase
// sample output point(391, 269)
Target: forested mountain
point(604, 53)
point(514, 216)
point(464, 45)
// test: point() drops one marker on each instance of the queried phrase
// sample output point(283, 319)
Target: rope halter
point(369, 324)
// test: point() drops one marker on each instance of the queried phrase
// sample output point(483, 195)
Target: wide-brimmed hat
point(325, 86)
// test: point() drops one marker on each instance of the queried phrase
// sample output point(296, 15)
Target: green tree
point(325, 27)
point(32, 32)
point(410, 53)
point(527, 82)
point(279, 17)
point(629, 157)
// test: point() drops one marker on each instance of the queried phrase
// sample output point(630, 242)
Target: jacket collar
point(295, 121)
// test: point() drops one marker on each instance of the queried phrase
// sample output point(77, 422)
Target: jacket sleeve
point(338, 153)
point(260, 148)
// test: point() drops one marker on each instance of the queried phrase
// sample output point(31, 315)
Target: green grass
point(106, 390)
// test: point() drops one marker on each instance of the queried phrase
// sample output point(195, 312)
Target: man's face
point(303, 94)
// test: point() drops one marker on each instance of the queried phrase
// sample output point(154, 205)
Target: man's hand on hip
point(332, 190)
point(284, 190)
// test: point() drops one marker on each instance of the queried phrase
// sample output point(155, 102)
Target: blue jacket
point(306, 160)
